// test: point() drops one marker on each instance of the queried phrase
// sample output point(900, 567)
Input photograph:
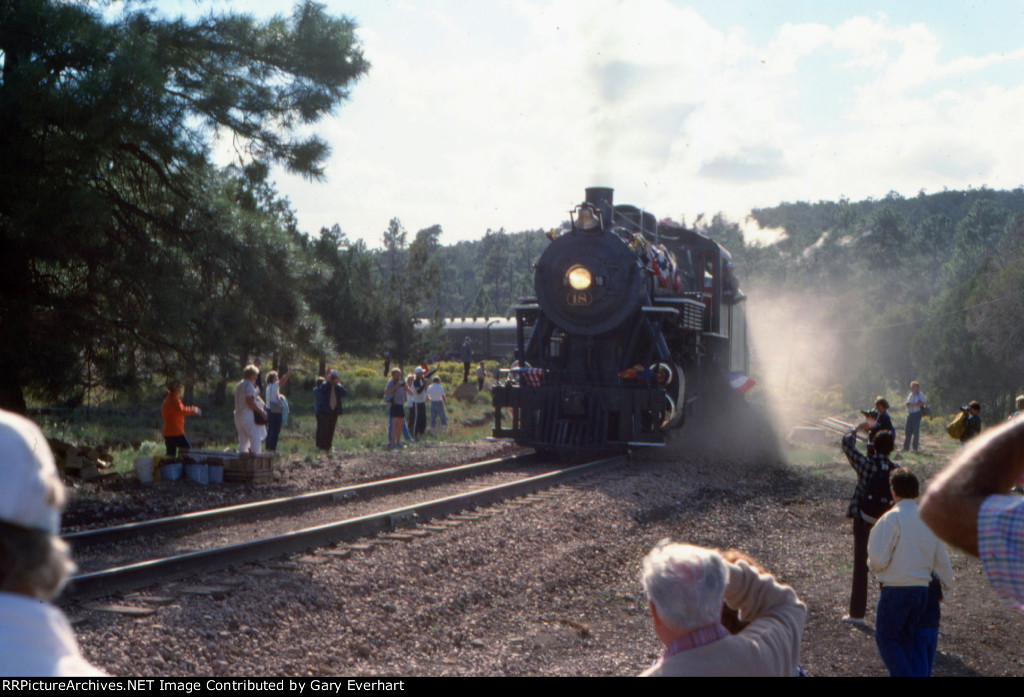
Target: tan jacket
point(768, 646)
point(903, 551)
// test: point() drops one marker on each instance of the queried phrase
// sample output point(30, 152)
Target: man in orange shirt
point(174, 413)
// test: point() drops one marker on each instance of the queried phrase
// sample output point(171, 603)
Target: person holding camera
point(916, 406)
point(395, 393)
point(327, 405)
point(973, 429)
point(419, 401)
point(687, 589)
point(866, 506)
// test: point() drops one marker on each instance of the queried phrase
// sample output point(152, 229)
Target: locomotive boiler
point(634, 325)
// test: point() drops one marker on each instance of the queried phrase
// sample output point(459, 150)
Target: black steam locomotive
point(633, 323)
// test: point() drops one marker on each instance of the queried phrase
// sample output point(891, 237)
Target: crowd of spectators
point(716, 613)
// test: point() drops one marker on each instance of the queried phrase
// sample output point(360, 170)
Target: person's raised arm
point(990, 464)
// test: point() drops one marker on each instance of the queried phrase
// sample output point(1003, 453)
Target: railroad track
point(132, 576)
point(834, 425)
point(99, 536)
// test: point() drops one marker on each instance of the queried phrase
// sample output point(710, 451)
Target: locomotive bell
point(599, 201)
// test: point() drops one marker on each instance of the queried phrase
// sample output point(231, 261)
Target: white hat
point(32, 493)
point(418, 371)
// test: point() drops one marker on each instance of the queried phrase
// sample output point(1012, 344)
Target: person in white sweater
point(35, 637)
point(904, 553)
point(686, 587)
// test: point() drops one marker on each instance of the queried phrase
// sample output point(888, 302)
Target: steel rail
point(843, 427)
point(837, 422)
point(833, 425)
point(832, 428)
point(115, 533)
point(134, 576)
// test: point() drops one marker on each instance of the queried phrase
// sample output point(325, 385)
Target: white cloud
point(504, 122)
point(863, 40)
point(793, 42)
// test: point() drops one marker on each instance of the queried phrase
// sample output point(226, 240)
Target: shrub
point(366, 389)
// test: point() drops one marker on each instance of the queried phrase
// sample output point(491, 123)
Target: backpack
point(957, 426)
point(877, 496)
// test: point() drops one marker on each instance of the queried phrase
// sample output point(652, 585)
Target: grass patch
point(136, 432)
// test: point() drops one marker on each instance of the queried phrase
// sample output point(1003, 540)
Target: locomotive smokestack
point(601, 198)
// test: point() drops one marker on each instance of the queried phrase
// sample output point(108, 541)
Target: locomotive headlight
point(579, 278)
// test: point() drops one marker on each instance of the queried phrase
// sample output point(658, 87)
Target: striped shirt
point(698, 637)
point(1001, 546)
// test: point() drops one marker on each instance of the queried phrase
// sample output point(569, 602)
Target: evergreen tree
point(105, 191)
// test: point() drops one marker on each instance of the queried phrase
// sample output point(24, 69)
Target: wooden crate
point(247, 467)
point(238, 467)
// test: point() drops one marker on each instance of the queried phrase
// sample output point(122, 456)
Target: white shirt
point(418, 397)
point(904, 551)
point(274, 394)
point(242, 390)
point(37, 641)
point(914, 402)
point(435, 393)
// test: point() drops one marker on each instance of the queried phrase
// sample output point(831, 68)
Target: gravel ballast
point(542, 587)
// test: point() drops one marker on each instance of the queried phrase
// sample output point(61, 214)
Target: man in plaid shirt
point(865, 466)
point(968, 505)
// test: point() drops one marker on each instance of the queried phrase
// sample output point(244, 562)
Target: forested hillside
point(863, 296)
point(129, 257)
point(881, 292)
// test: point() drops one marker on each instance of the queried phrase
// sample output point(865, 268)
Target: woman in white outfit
point(249, 434)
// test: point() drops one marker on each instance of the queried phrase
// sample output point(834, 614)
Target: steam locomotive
point(634, 323)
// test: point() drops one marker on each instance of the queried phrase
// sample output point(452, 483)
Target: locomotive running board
point(646, 445)
point(654, 309)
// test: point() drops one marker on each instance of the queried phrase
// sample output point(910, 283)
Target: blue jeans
point(897, 618)
point(274, 422)
point(912, 429)
point(926, 641)
point(435, 409)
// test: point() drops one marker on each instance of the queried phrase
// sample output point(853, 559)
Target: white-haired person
point(250, 435)
point(35, 637)
point(686, 587)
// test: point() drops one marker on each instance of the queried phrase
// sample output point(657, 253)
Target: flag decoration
point(638, 372)
point(741, 383)
point(659, 261)
point(533, 377)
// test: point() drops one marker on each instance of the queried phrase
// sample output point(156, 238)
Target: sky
point(490, 114)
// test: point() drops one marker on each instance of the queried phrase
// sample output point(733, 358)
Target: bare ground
point(545, 588)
